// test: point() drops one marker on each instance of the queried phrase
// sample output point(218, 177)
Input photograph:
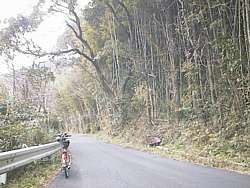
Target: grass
point(35, 175)
point(191, 153)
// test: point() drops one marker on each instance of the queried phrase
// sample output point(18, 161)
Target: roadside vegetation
point(36, 175)
point(136, 69)
point(22, 125)
point(179, 72)
point(25, 122)
point(196, 154)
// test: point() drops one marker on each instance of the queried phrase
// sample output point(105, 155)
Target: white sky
point(46, 35)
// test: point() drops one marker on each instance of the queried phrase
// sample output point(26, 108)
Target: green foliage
point(179, 70)
point(21, 123)
point(35, 175)
point(14, 136)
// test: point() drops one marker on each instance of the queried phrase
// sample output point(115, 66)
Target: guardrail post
point(3, 177)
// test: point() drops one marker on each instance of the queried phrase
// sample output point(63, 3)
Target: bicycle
point(63, 139)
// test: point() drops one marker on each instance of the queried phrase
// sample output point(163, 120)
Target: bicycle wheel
point(66, 172)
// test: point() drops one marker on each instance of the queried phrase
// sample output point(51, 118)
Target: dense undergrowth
point(179, 70)
point(175, 69)
point(35, 175)
point(192, 143)
point(21, 126)
point(17, 136)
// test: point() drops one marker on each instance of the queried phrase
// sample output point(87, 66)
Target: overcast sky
point(46, 35)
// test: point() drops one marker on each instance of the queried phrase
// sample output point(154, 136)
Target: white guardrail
point(17, 158)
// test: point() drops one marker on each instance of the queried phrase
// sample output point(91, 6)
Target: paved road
point(100, 165)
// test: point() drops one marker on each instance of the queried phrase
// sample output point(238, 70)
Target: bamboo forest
point(132, 72)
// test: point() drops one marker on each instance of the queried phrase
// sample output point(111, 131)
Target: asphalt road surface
point(100, 165)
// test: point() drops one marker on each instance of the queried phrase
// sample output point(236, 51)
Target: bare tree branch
point(80, 33)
